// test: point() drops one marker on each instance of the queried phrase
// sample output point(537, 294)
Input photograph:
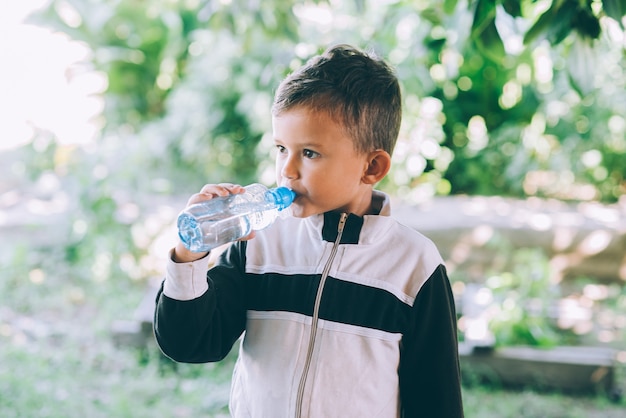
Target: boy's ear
point(379, 163)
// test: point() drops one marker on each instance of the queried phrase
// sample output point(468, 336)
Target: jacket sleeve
point(204, 329)
point(430, 382)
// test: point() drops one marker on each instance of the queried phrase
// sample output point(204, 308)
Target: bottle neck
point(281, 196)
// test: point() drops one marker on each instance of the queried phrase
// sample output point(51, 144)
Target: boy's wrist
point(185, 278)
point(180, 254)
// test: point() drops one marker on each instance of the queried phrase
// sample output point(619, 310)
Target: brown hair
point(359, 90)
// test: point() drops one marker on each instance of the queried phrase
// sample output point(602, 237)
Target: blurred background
point(511, 158)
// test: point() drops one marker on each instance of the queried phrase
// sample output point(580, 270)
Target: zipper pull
point(340, 227)
point(342, 222)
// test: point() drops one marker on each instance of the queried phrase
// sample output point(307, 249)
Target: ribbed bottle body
point(209, 224)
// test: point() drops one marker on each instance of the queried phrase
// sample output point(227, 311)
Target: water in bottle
point(209, 224)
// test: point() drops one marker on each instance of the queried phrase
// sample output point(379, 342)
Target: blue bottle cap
point(283, 197)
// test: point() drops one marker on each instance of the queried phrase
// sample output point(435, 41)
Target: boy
point(346, 312)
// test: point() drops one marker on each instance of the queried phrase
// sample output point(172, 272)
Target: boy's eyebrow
point(301, 145)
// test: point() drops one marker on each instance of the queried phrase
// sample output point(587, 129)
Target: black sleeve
point(204, 329)
point(430, 381)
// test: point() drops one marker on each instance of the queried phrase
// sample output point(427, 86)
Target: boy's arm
point(199, 315)
point(430, 382)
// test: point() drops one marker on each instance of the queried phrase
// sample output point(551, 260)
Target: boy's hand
point(181, 254)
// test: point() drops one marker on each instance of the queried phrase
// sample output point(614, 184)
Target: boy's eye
point(280, 148)
point(310, 154)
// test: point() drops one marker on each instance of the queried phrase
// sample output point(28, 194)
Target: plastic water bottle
point(209, 224)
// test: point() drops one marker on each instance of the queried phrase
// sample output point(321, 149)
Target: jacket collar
point(354, 223)
point(351, 230)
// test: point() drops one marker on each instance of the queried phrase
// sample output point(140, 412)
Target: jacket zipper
point(316, 308)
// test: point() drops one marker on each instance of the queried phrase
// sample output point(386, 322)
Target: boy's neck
point(376, 204)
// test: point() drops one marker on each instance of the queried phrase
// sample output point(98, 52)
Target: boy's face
point(319, 162)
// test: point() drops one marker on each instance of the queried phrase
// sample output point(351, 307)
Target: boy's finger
point(248, 237)
point(210, 191)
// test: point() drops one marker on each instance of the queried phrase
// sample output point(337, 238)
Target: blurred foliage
point(524, 297)
point(517, 98)
point(501, 96)
point(520, 302)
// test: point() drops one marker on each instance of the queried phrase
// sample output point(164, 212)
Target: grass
point(72, 380)
point(481, 402)
point(69, 367)
point(93, 378)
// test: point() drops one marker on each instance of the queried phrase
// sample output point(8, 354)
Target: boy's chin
point(298, 211)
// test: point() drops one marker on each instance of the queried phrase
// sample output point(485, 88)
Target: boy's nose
point(289, 169)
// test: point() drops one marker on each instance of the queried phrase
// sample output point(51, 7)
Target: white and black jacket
point(344, 316)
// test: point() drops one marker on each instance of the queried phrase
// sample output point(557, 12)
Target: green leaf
point(615, 9)
point(449, 6)
point(512, 7)
point(537, 30)
point(484, 32)
point(554, 24)
point(581, 65)
point(490, 43)
point(586, 23)
point(484, 14)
